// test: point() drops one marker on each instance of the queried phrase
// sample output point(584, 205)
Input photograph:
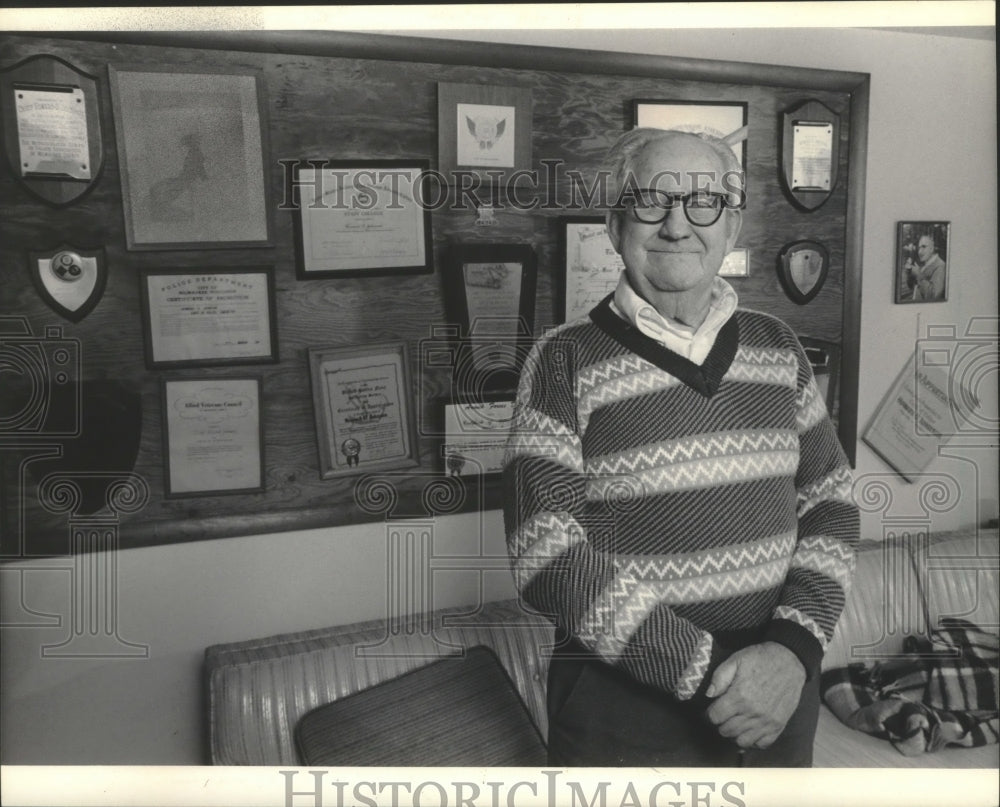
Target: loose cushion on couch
point(259, 689)
point(459, 711)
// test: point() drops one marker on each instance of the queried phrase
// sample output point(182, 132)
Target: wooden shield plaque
point(51, 128)
point(70, 280)
point(803, 267)
point(810, 152)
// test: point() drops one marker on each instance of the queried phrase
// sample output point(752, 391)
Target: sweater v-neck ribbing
point(704, 378)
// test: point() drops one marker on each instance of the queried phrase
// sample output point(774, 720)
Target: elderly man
point(928, 277)
point(675, 496)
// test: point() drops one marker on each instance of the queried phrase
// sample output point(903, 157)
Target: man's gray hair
point(619, 162)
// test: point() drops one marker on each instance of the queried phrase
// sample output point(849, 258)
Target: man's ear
point(613, 221)
point(734, 223)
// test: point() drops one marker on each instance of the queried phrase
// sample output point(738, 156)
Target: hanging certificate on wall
point(475, 434)
point(216, 316)
point(363, 409)
point(590, 266)
point(213, 436)
point(914, 419)
point(362, 218)
point(490, 293)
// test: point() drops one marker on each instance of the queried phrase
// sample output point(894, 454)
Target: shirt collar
point(693, 343)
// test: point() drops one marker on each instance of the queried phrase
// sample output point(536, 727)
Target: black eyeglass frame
point(672, 199)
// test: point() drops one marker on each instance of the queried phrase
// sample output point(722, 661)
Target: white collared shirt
point(692, 343)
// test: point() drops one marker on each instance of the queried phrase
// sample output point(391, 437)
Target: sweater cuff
point(699, 702)
point(799, 640)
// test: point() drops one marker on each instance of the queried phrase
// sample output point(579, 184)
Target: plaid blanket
point(942, 692)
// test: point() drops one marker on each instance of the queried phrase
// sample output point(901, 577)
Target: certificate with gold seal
point(363, 408)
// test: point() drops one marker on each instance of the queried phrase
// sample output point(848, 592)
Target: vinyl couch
point(259, 690)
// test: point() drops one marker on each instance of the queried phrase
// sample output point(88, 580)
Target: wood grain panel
point(343, 97)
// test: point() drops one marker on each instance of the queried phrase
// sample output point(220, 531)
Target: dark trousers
point(601, 717)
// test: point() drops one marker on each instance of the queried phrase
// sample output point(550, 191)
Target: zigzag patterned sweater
point(664, 513)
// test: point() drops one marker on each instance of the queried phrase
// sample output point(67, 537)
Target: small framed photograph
point(362, 401)
point(191, 147)
point(726, 120)
point(484, 129)
point(213, 436)
point(921, 274)
point(475, 434)
point(212, 317)
point(490, 294)
point(362, 218)
point(590, 266)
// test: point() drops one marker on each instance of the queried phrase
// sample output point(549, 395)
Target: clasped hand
point(756, 690)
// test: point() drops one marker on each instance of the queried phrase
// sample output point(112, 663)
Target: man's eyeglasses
point(701, 208)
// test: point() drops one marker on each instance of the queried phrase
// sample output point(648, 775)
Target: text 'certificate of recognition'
point(213, 435)
point(220, 317)
point(362, 219)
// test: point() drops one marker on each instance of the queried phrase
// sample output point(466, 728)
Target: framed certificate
point(217, 316)
point(490, 294)
point(191, 146)
point(475, 434)
point(363, 408)
point(914, 419)
point(590, 267)
point(726, 120)
point(213, 436)
point(362, 218)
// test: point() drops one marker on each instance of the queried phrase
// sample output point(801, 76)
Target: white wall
point(931, 155)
